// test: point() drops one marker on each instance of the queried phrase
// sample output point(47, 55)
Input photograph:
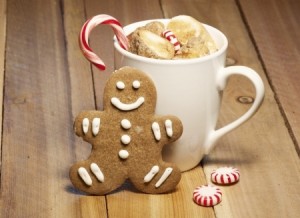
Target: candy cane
point(86, 29)
point(169, 35)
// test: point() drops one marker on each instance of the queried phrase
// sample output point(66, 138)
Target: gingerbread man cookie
point(127, 139)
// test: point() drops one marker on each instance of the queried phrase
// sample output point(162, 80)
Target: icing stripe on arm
point(96, 126)
point(169, 128)
point(156, 131)
point(85, 125)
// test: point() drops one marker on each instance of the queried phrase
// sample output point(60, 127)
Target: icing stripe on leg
point(85, 176)
point(154, 170)
point(164, 177)
point(97, 172)
point(85, 125)
point(169, 128)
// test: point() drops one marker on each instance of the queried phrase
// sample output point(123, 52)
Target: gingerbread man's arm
point(166, 129)
point(88, 124)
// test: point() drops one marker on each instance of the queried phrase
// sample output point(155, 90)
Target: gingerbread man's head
point(128, 90)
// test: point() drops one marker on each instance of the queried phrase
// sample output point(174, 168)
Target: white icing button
point(85, 125)
point(83, 173)
point(169, 128)
point(154, 170)
point(125, 139)
point(120, 85)
point(123, 154)
point(96, 126)
point(207, 195)
point(136, 84)
point(156, 131)
point(164, 177)
point(126, 124)
point(225, 175)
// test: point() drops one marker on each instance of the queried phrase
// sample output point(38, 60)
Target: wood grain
point(82, 97)
point(38, 141)
point(2, 57)
point(275, 29)
point(129, 203)
point(92, 207)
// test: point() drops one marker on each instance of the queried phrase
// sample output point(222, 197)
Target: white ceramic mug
point(192, 89)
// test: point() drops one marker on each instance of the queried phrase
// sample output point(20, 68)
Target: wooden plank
point(262, 148)
point(275, 28)
point(38, 140)
point(130, 203)
point(2, 60)
point(82, 92)
point(92, 207)
point(82, 97)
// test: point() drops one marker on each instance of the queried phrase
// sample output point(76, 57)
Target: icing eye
point(120, 85)
point(136, 84)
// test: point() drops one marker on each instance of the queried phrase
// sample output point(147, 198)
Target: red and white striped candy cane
point(86, 29)
point(169, 35)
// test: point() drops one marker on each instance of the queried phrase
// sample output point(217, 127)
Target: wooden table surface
point(46, 82)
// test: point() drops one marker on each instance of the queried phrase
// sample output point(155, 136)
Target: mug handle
point(222, 78)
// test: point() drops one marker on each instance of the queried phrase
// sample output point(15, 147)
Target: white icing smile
point(127, 107)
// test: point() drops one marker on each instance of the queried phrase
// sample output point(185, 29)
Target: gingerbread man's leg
point(156, 178)
point(95, 178)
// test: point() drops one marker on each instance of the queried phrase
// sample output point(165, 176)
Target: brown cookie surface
point(127, 139)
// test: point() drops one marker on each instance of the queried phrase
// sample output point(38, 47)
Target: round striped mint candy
point(225, 175)
point(207, 195)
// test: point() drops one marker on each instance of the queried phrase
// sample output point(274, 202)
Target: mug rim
point(136, 57)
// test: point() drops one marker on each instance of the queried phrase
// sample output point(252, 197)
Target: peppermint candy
point(225, 175)
point(169, 35)
point(207, 195)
